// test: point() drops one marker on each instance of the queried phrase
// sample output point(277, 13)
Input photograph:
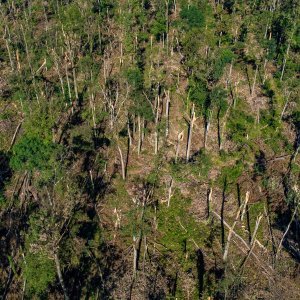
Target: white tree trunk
point(156, 124)
point(254, 81)
point(179, 138)
point(284, 61)
point(190, 134)
point(122, 163)
point(167, 113)
point(59, 274)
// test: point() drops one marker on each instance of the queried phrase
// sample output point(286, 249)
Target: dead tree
point(123, 170)
point(179, 139)
point(192, 120)
point(60, 277)
point(167, 112)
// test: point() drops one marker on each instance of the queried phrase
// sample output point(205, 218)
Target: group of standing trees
point(149, 148)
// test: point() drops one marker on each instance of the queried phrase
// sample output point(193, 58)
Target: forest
point(149, 149)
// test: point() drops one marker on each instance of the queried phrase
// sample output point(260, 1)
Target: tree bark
point(190, 134)
point(59, 274)
point(167, 113)
point(122, 163)
point(254, 81)
point(156, 124)
point(179, 138)
point(170, 191)
point(209, 197)
point(284, 61)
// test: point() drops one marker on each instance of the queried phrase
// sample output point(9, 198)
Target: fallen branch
point(285, 233)
point(246, 245)
point(15, 135)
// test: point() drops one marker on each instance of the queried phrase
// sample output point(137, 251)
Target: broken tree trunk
point(285, 233)
point(252, 243)
point(254, 81)
point(156, 125)
point(139, 135)
point(284, 61)
point(167, 113)
point(59, 274)
point(191, 125)
point(122, 163)
point(237, 217)
point(179, 138)
point(206, 128)
point(170, 191)
point(209, 197)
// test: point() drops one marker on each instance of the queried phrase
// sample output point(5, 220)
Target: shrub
point(32, 153)
point(39, 272)
point(193, 17)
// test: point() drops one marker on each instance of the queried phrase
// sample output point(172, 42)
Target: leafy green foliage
point(218, 98)
point(158, 28)
point(192, 16)
point(224, 57)
point(198, 94)
point(202, 164)
point(33, 153)
point(72, 18)
point(134, 77)
point(103, 7)
point(239, 126)
point(88, 73)
point(230, 174)
point(178, 230)
point(39, 272)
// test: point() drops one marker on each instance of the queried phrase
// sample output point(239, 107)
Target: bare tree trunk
point(179, 138)
point(92, 106)
point(9, 53)
point(68, 82)
point(209, 197)
point(206, 128)
point(143, 131)
point(286, 232)
point(167, 25)
point(252, 243)
point(134, 127)
point(228, 81)
point(74, 75)
point(219, 132)
point(58, 72)
point(285, 106)
point(254, 81)
point(122, 163)
point(284, 61)
point(226, 250)
point(135, 255)
point(18, 60)
point(27, 51)
point(139, 135)
point(59, 274)
point(156, 124)
point(167, 113)
point(15, 135)
point(145, 252)
point(170, 191)
point(129, 132)
point(121, 54)
point(239, 217)
point(265, 72)
point(191, 125)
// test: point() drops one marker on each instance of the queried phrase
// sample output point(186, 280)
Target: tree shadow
point(260, 165)
point(5, 170)
point(222, 213)
point(200, 272)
